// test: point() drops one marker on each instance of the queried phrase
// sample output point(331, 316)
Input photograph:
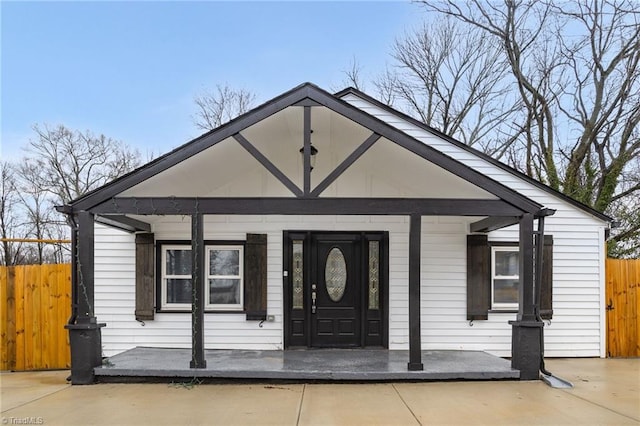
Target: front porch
point(359, 365)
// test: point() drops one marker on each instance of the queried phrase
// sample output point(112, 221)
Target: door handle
point(313, 298)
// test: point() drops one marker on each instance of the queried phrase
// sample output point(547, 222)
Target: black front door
point(335, 289)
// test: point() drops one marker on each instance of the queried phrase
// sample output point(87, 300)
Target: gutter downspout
point(547, 376)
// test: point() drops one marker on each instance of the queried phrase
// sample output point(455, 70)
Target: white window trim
point(240, 276)
point(494, 305)
point(165, 306)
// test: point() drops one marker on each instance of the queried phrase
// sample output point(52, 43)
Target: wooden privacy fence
point(623, 305)
point(35, 304)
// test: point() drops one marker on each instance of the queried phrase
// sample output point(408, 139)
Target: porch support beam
point(268, 164)
point(307, 149)
point(124, 222)
point(526, 297)
point(197, 292)
point(493, 223)
point(526, 348)
point(415, 340)
point(84, 332)
point(302, 206)
point(368, 143)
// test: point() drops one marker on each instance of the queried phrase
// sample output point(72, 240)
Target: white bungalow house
point(332, 220)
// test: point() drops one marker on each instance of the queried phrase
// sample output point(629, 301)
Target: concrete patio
point(606, 392)
point(142, 364)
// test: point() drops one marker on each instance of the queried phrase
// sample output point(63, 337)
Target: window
point(223, 277)
point(504, 278)
point(492, 285)
point(176, 277)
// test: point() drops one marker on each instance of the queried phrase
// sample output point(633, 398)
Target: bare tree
point(67, 163)
point(60, 165)
point(454, 79)
point(576, 69)
point(221, 105)
point(9, 225)
point(353, 75)
point(39, 213)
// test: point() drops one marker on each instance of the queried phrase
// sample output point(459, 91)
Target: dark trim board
point(191, 148)
point(124, 222)
point(493, 223)
point(314, 93)
point(368, 143)
point(303, 206)
point(267, 164)
point(488, 158)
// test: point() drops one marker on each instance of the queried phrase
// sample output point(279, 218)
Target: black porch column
point(526, 352)
point(84, 332)
point(197, 292)
point(415, 343)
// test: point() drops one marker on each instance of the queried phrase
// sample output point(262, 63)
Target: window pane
point(297, 275)
point(178, 262)
point(224, 262)
point(505, 291)
point(224, 291)
point(374, 274)
point(507, 263)
point(335, 274)
point(178, 290)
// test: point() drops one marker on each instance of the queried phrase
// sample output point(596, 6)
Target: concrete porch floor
point(140, 364)
point(606, 392)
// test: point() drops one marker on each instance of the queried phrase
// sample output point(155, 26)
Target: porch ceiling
point(385, 170)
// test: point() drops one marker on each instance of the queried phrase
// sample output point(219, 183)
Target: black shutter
point(255, 277)
point(546, 310)
point(144, 277)
point(478, 277)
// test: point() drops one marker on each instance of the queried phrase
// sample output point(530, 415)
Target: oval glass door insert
point(335, 274)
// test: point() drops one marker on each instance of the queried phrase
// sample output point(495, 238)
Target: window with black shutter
point(235, 276)
point(491, 276)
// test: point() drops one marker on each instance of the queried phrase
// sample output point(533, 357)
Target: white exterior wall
point(578, 324)
point(577, 327)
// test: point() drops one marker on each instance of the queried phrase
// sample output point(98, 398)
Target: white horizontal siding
point(578, 273)
point(576, 329)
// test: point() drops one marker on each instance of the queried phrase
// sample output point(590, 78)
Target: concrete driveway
point(606, 392)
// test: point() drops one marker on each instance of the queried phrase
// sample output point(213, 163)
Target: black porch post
point(84, 332)
point(415, 343)
point(526, 352)
point(197, 292)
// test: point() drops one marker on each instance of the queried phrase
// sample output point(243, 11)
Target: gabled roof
point(484, 156)
point(306, 94)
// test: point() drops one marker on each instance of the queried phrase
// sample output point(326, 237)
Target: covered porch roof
point(253, 165)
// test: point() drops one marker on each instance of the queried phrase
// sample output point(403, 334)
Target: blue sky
point(130, 70)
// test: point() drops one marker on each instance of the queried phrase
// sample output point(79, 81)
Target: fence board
point(35, 305)
point(623, 305)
